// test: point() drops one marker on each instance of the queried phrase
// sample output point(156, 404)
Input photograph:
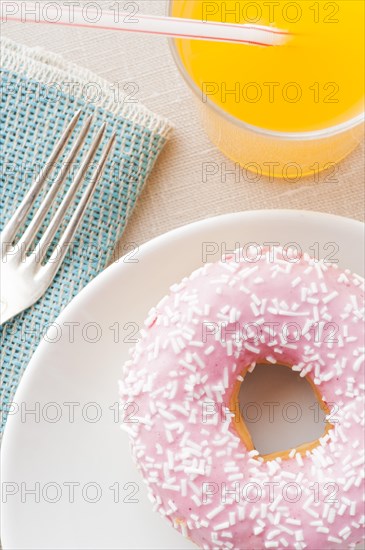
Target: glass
point(281, 154)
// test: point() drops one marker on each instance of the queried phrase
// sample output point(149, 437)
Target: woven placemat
point(40, 93)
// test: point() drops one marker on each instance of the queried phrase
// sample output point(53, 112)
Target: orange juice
point(292, 97)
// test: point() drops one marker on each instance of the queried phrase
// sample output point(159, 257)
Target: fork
point(25, 277)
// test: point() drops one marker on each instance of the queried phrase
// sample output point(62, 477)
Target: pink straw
point(193, 29)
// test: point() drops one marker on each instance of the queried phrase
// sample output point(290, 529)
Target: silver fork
point(25, 277)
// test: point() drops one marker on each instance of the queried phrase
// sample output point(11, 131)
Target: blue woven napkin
point(40, 93)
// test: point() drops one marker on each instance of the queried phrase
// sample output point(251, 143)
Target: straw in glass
point(33, 12)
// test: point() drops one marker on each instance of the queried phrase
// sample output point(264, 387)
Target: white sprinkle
point(330, 297)
point(249, 347)
point(172, 505)
point(358, 462)
point(334, 539)
point(331, 515)
point(215, 512)
point(221, 526)
point(272, 534)
point(196, 343)
point(358, 362)
point(241, 513)
point(345, 532)
point(276, 502)
point(293, 521)
point(253, 453)
point(353, 508)
point(316, 523)
point(196, 500)
point(198, 360)
point(229, 348)
point(184, 529)
point(232, 518)
point(235, 477)
point(166, 414)
point(251, 367)
point(322, 529)
point(188, 366)
point(255, 309)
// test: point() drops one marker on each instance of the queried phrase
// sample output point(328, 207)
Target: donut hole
point(280, 410)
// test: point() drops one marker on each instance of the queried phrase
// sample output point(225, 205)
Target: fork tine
point(31, 231)
point(57, 258)
point(14, 224)
point(41, 248)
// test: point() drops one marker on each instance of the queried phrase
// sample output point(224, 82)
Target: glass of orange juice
point(284, 111)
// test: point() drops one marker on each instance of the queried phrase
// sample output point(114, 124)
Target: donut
point(187, 436)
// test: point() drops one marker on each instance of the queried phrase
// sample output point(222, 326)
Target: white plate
point(74, 370)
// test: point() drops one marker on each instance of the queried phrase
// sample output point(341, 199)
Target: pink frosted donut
point(201, 469)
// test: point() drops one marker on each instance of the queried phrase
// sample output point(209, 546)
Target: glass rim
point(294, 136)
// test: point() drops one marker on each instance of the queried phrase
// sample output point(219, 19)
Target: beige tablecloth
point(176, 193)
